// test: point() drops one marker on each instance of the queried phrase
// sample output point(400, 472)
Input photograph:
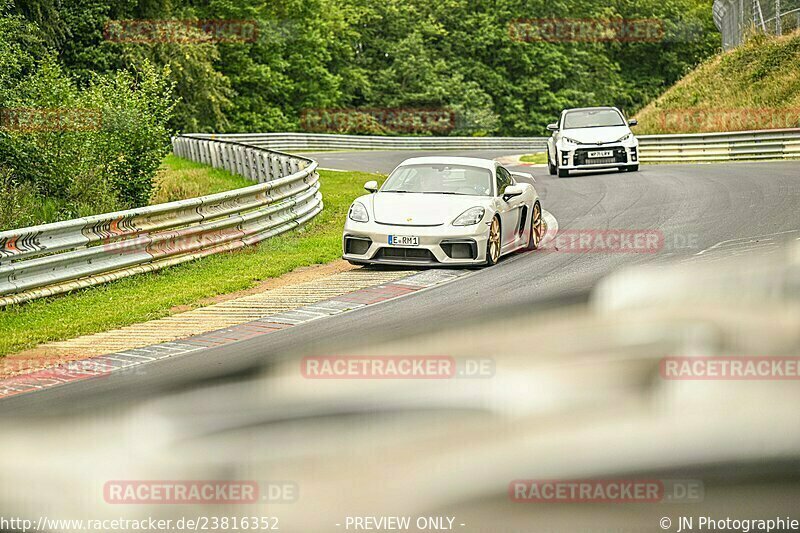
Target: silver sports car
point(443, 211)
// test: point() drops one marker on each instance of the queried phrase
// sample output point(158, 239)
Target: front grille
point(460, 249)
point(405, 254)
point(356, 245)
point(582, 156)
point(598, 161)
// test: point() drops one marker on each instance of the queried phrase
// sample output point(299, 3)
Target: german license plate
point(403, 240)
point(604, 153)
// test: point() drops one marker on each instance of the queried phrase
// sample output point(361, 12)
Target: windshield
point(597, 118)
point(440, 179)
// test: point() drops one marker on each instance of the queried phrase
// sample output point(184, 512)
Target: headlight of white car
point(470, 217)
point(567, 140)
point(625, 138)
point(358, 212)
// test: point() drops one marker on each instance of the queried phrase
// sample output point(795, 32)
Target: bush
point(67, 150)
point(134, 137)
point(101, 156)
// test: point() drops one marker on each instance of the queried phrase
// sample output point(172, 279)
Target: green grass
point(539, 158)
point(179, 179)
point(754, 86)
point(149, 296)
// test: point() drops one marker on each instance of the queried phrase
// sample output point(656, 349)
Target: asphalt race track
point(695, 206)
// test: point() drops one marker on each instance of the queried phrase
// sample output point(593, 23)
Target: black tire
point(492, 258)
point(537, 228)
point(633, 168)
point(551, 168)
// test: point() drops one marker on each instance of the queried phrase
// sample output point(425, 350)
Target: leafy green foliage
point(133, 139)
point(458, 55)
point(69, 151)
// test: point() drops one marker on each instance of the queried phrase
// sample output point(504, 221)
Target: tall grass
point(755, 86)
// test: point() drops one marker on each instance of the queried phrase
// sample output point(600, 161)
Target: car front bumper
point(576, 158)
point(368, 243)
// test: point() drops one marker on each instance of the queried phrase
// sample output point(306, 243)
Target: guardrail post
point(215, 155)
point(250, 172)
point(275, 165)
point(245, 163)
point(226, 157)
point(237, 159)
point(263, 167)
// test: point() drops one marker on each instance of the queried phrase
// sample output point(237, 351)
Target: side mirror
point(512, 191)
point(371, 186)
point(633, 122)
point(552, 127)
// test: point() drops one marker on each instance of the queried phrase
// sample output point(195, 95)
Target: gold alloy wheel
point(494, 241)
point(538, 226)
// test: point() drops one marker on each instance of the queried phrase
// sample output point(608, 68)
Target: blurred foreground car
point(592, 138)
point(443, 210)
point(587, 403)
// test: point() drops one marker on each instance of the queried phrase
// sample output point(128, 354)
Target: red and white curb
point(103, 365)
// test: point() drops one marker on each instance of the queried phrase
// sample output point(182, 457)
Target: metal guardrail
point(731, 146)
point(765, 144)
point(325, 141)
point(56, 258)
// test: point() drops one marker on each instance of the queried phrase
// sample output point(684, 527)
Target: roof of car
point(591, 108)
point(440, 160)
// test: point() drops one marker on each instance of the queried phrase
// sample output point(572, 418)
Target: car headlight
point(624, 138)
point(570, 141)
point(358, 212)
point(470, 217)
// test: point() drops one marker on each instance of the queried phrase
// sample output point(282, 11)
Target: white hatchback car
point(592, 138)
point(443, 211)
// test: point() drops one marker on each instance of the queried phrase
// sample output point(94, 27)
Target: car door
point(509, 210)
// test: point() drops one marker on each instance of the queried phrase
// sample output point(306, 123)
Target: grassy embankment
point(754, 86)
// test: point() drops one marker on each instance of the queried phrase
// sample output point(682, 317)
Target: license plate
point(403, 240)
point(604, 153)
